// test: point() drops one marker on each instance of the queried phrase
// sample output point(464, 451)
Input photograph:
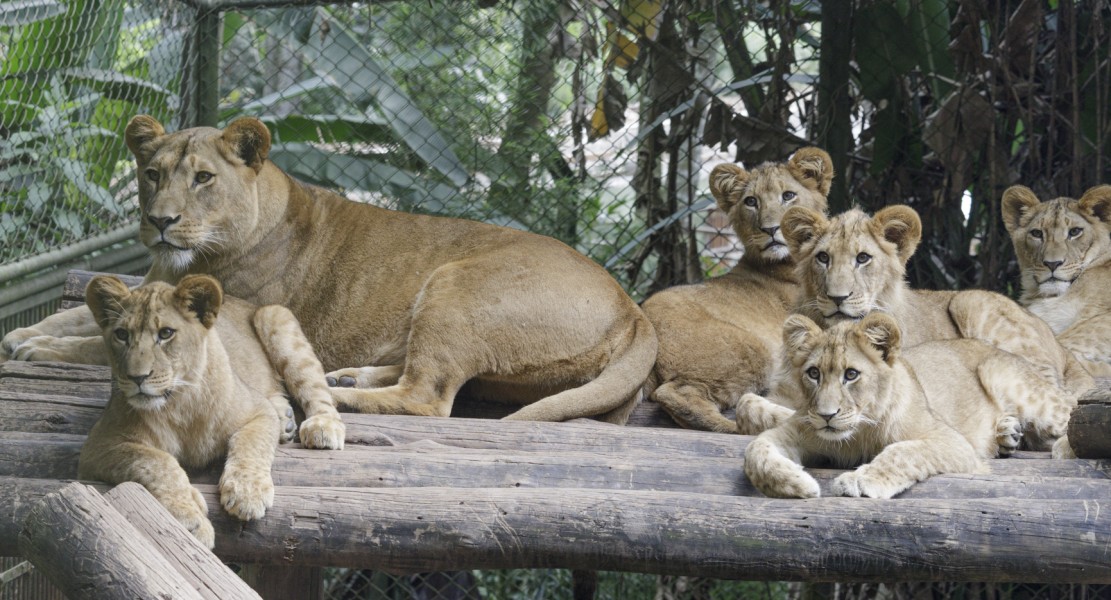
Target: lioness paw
point(1008, 435)
point(288, 427)
point(246, 493)
point(859, 485)
point(14, 339)
point(1062, 449)
point(756, 414)
point(364, 377)
point(324, 431)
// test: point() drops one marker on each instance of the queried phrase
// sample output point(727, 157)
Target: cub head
point(197, 192)
point(1055, 241)
point(845, 372)
point(156, 334)
point(851, 264)
point(756, 200)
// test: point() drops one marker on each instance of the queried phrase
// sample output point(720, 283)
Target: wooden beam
point(832, 539)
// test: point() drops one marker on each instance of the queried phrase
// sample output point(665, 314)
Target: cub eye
point(851, 374)
point(788, 196)
point(1036, 234)
point(152, 174)
point(750, 201)
point(823, 257)
point(863, 258)
point(202, 177)
point(1075, 232)
point(166, 333)
point(813, 373)
point(121, 334)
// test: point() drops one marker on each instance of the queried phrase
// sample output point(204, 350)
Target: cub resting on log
point(1064, 251)
point(719, 339)
point(906, 414)
point(191, 387)
point(426, 304)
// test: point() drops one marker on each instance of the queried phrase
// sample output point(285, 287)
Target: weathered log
point(831, 539)
point(200, 567)
point(89, 550)
point(1090, 429)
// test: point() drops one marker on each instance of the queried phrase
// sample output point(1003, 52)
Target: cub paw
point(324, 431)
point(287, 424)
point(1062, 449)
point(364, 377)
point(859, 485)
point(246, 494)
point(756, 414)
point(1008, 435)
point(786, 483)
point(192, 513)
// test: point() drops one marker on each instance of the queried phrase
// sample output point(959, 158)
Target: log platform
point(418, 494)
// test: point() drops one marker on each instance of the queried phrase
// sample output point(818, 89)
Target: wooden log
point(831, 539)
point(1090, 429)
point(200, 567)
point(89, 550)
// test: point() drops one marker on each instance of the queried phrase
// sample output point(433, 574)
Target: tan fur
point(1064, 251)
point(903, 415)
point(445, 301)
point(192, 384)
point(718, 339)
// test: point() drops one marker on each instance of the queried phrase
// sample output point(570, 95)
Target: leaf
point(327, 128)
point(609, 111)
point(117, 86)
point(267, 102)
point(23, 12)
point(881, 50)
point(75, 172)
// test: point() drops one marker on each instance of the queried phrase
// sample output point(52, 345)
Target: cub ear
point(813, 168)
point(1018, 200)
point(1097, 202)
point(104, 296)
point(727, 182)
point(201, 297)
point(881, 332)
point(800, 335)
point(801, 225)
point(900, 225)
point(140, 132)
point(249, 139)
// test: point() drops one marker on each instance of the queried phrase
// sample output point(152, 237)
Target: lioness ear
point(800, 225)
point(249, 139)
point(900, 225)
point(799, 336)
point(1097, 202)
point(104, 296)
point(141, 131)
point(1018, 200)
point(726, 183)
point(881, 332)
point(813, 168)
point(200, 296)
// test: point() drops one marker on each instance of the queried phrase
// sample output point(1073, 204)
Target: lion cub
point(189, 388)
point(904, 414)
point(1064, 251)
point(719, 339)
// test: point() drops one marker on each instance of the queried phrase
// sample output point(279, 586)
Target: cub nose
point(770, 230)
point(1052, 264)
point(829, 416)
point(138, 379)
point(838, 299)
point(163, 222)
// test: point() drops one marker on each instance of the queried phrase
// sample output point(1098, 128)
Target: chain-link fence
point(595, 122)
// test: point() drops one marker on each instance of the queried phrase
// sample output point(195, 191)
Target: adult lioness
point(198, 378)
point(1064, 251)
point(905, 414)
point(854, 264)
point(719, 339)
point(436, 301)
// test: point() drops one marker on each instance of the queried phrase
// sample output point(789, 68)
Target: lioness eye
point(823, 257)
point(1075, 232)
point(152, 174)
point(750, 201)
point(165, 333)
point(1036, 234)
point(813, 373)
point(863, 258)
point(788, 196)
point(851, 374)
point(202, 177)
point(121, 334)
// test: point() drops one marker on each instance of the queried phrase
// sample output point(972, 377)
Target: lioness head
point(1056, 240)
point(852, 264)
point(155, 334)
point(756, 200)
point(196, 187)
point(845, 372)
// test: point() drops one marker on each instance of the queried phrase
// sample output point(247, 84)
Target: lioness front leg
point(76, 322)
point(154, 469)
point(246, 488)
point(365, 377)
point(69, 349)
point(773, 463)
point(902, 464)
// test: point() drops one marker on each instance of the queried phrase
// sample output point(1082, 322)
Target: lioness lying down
point(904, 414)
point(194, 382)
point(426, 303)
